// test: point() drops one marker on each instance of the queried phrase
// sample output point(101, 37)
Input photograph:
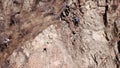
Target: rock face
point(44, 35)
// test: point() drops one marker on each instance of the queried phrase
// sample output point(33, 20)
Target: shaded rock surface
point(43, 33)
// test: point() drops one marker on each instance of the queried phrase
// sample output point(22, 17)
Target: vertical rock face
point(43, 51)
point(44, 34)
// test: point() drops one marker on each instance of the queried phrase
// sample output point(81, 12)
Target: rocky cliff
point(45, 34)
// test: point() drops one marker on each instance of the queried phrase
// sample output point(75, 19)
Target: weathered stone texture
point(44, 34)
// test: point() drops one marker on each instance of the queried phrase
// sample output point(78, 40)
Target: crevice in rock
point(106, 36)
point(12, 19)
point(115, 30)
point(105, 20)
point(12, 22)
point(105, 15)
point(95, 59)
point(118, 46)
point(117, 61)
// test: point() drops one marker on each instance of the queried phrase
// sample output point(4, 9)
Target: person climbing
point(44, 49)
point(76, 20)
point(6, 41)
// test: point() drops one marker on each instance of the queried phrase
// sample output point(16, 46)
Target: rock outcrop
point(43, 33)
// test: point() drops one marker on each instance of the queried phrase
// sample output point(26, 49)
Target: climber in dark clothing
point(76, 20)
point(44, 49)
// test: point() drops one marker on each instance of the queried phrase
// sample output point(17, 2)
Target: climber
point(6, 41)
point(44, 49)
point(76, 20)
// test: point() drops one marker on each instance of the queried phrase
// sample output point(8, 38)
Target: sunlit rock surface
point(43, 34)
